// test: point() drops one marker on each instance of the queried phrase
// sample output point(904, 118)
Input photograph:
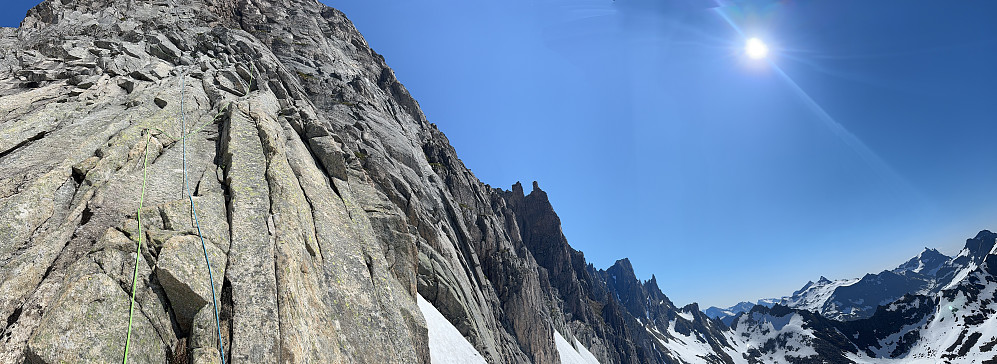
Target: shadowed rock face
point(611, 312)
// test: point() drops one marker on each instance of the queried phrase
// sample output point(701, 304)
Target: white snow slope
point(814, 298)
point(962, 330)
point(679, 347)
point(572, 354)
point(446, 344)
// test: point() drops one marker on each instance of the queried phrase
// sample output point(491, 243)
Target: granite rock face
point(326, 200)
point(92, 309)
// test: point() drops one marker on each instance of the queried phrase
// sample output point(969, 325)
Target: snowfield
point(796, 340)
point(688, 349)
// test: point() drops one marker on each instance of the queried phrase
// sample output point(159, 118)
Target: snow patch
point(960, 276)
point(760, 330)
point(688, 349)
point(569, 354)
point(446, 344)
point(686, 315)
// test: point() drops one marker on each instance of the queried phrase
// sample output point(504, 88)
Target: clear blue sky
point(867, 134)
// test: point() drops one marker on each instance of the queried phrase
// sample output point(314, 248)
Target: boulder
point(182, 273)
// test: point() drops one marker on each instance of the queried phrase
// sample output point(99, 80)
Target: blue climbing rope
point(193, 212)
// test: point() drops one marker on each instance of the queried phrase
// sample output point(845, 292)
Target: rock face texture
point(326, 200)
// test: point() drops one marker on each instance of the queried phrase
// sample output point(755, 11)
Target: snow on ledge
point(570, 355)
point(446, 344)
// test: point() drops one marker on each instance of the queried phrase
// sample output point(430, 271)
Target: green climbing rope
point(138, 249)
point(145, 164)
point(193, 211)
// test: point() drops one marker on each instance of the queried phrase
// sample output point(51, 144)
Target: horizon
point(658, 141)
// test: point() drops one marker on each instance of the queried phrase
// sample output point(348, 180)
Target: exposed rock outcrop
point(326, 200)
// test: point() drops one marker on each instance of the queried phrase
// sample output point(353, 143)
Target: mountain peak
point(977, 247)
point(517, 188)
point(823, 280)
point(624, 265)
point(927, 262)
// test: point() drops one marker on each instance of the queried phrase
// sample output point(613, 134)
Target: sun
point(756, 49)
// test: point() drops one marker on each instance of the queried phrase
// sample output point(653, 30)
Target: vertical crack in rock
point(225, 316)
point(254, 291)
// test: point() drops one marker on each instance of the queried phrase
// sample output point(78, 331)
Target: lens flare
point(756, 49)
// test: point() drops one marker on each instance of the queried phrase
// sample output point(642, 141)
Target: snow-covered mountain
point(845, 299)
point(927, 273)
point(954, 325)
point(726, 315)
point(931, 309)
point(814, 295)
point(928, 262)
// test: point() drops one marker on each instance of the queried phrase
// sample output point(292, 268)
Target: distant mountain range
point(852, 299)
point(726, 315)
point(953, 324)
point(931, 309)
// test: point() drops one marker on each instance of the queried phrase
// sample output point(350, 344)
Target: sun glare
point(756, 49)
